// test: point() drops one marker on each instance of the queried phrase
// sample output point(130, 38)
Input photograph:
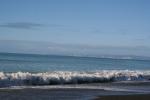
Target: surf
point(71, 77)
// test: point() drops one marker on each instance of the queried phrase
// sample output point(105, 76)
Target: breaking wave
point(68, 77)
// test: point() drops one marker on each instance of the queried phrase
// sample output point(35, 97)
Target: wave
point(68, 77)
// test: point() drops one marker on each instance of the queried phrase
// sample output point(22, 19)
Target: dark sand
point(125, 97)
point(67, 94)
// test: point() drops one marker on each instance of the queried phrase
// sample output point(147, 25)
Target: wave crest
point(68, 77)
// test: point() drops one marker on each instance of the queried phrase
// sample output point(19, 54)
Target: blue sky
point(116, 25)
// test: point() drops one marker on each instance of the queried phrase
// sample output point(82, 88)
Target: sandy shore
point(125, 97)
point(67, 94)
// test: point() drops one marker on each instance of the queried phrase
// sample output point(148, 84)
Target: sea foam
point(68, 77)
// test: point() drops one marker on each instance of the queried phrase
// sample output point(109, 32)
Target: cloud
point(29, 25)
point(55, 25)
point(38, 47)
point(22, 25)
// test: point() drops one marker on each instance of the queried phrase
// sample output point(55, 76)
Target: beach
point(125, 97)
point(68, 94)
point(74, 50)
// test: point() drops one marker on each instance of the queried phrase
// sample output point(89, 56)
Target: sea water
point(12, 62)
point(41, 70)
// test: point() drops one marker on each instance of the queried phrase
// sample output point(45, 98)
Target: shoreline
point(124, 97)
point(68, 94)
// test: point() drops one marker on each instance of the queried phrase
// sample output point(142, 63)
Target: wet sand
point(125, 97)
point(66, 94)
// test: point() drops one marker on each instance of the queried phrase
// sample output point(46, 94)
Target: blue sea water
point(32, 69)
point(12, 62)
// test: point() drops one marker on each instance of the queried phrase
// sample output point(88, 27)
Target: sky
point(77, 27)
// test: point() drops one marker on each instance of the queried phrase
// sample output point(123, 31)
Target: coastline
point(124, 97)
point(68, 94)
point(30, 77)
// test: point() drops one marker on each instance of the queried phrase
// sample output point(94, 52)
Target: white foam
point(68, 77)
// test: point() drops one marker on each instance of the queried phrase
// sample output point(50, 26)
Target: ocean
point(20, 71)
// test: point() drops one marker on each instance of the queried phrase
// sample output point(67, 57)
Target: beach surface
point(125, 97)
point(68, 94)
